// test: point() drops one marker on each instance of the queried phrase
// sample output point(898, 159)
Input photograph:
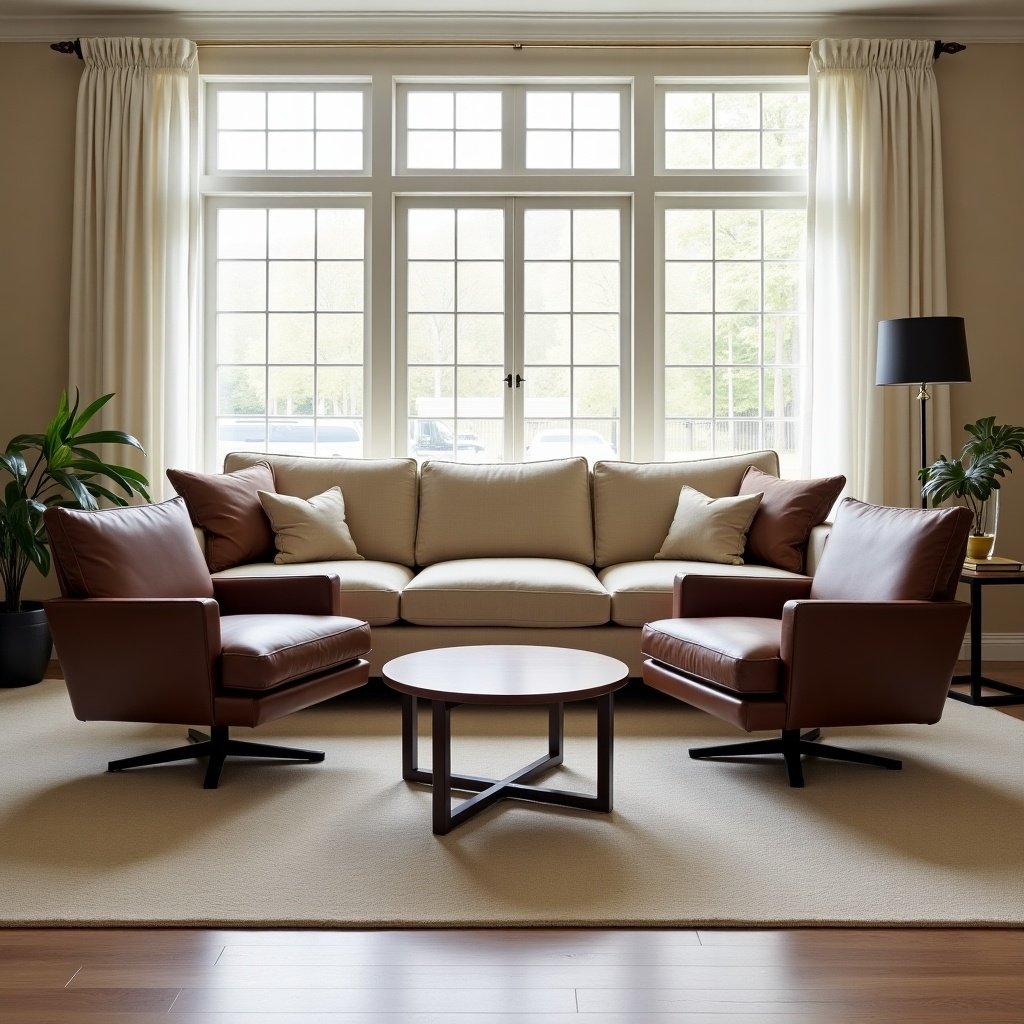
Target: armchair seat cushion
point(262, 652)
point(737, 653)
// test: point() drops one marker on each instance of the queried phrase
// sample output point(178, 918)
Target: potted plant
point(973, 478)
point(57, 467)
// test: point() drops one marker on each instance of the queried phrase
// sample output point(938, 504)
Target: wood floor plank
point(16, 1003)
point(375, 1000)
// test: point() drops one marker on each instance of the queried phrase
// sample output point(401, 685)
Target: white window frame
point(214, 86)
point(514, 124)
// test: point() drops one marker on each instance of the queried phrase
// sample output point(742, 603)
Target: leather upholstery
point(138, 551)
point(144, 635)
point(873, 638)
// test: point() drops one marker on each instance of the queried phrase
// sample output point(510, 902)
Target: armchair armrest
point(138, 659)
point(865, 662)
point(267, 595)
point(697, 596)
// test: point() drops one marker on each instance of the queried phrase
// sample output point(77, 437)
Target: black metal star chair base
point(216, 746)
point(791, 744)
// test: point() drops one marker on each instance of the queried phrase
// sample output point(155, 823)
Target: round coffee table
point(510, 675)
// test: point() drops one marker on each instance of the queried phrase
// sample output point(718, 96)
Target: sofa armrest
point(267, 595)
point(697, 596)
point(138, 660)
point(864, 662)
point(816, 547)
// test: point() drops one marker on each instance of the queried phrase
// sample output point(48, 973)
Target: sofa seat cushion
point(262, 652)
point(369, 590)
point(506, 592)
point(738, 653)
point(642, 591)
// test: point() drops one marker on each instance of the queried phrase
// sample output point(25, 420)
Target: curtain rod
point(74, 46)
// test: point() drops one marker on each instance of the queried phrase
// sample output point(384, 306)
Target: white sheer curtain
point(133, 268)
point(878, 251)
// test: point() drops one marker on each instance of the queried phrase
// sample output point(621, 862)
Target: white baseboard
point(997, 647)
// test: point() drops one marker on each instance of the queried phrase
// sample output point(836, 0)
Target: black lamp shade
point(922, 350)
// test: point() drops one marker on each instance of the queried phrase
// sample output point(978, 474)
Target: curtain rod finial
point(68, 46)
point(941, 48)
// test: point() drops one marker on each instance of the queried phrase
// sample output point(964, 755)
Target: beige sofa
point(535, 553)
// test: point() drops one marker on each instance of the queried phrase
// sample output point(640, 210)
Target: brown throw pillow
point(227, 508)
point(789, 510)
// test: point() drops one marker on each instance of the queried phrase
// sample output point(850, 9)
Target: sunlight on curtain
point(134, 247)
point(878, 252)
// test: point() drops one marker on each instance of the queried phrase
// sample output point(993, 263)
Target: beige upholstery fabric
point(529, 510)
point(309, 529)
point(641, 592)
point(369, 590)
point(634, 503)
point(710, 529)
point(380, 496)
point(506, 592)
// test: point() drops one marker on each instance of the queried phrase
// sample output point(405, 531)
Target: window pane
point(290, 285)
point(737, 149)
point(687, 110)
point(784, 234)
point(431, 287)
point(431, 391)
point(290, 391)
point(688, 287)
point(737, 392)
point(289, 151)
point(737, 286)
point(481, 338)
point(339, 151)
point(430, 338)
point(241, 338)
point(688, 338)
point(478, 150)
point(431, 234)
point(339, 111)
point(241, 151)
point(780, 393)
point(241, 391)
point(548, 149)
point(430, 150)
point(596, 338)
point(784, 110)
point(737, 339)
point(688, 234)
point(547, 338)
point(737, 110)
point(241, 234)
point(339, 234)
point(241, 110)
point(595, 234)
point(430, 109)
point(291, 110)
point(291, 337)
point(594, 150)
point(339, 286)
point(241, 286)
point(595, 110)
point(738, 234)
point(782, 287)
point(339, 337)
point(547, 234)
point(478, 110)
point(688, 151)
point(480, 234)
point(548, 395)
point(687, 392)
point(596, 391)
point(292, 234)
point(481, 288)
point(782, 339)
point(547, 288)
point(595, 287)
point(339, 391)
point(548, 110)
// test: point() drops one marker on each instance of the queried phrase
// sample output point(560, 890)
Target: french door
point(512, 327)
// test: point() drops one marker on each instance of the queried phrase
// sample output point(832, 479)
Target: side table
point(1008, 694)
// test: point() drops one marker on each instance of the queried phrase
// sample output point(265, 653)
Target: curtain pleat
point(877, 244)
point(134, 246)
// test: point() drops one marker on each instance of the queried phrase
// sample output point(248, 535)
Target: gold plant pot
point(980, 545)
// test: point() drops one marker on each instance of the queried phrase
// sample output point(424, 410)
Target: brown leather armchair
point(871, 639)
point(144, 634)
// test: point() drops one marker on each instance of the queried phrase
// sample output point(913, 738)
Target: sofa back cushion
point(380, 496)
point(877, 553)
point(518, 510)
point(634, 502)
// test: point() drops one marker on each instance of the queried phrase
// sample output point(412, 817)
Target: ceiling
point(627, 20)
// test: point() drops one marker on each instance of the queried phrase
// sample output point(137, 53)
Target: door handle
point(520, 380)
point(508, 380)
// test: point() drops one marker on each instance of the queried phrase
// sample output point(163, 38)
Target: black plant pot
point(25, 645)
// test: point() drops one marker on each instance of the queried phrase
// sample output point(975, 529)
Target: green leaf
point(15, 465)
point(109, 437)
point(89, 412)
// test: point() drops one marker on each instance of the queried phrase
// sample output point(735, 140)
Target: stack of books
point(993, 564)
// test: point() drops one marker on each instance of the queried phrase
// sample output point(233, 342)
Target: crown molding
point(448, 28)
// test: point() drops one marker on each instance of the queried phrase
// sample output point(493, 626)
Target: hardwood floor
point(514, 976)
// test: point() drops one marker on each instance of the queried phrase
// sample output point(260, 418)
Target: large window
point(492, 268)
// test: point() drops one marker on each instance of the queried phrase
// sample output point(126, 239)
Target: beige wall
point(982, 92)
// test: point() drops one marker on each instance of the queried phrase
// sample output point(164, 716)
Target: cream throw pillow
point(709, 529)
point(309, 530)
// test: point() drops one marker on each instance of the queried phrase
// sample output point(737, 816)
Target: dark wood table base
point(512, 787)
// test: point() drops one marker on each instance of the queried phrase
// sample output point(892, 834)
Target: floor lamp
point(922, 350)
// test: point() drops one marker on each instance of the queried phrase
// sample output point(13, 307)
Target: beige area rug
point(348, 843)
